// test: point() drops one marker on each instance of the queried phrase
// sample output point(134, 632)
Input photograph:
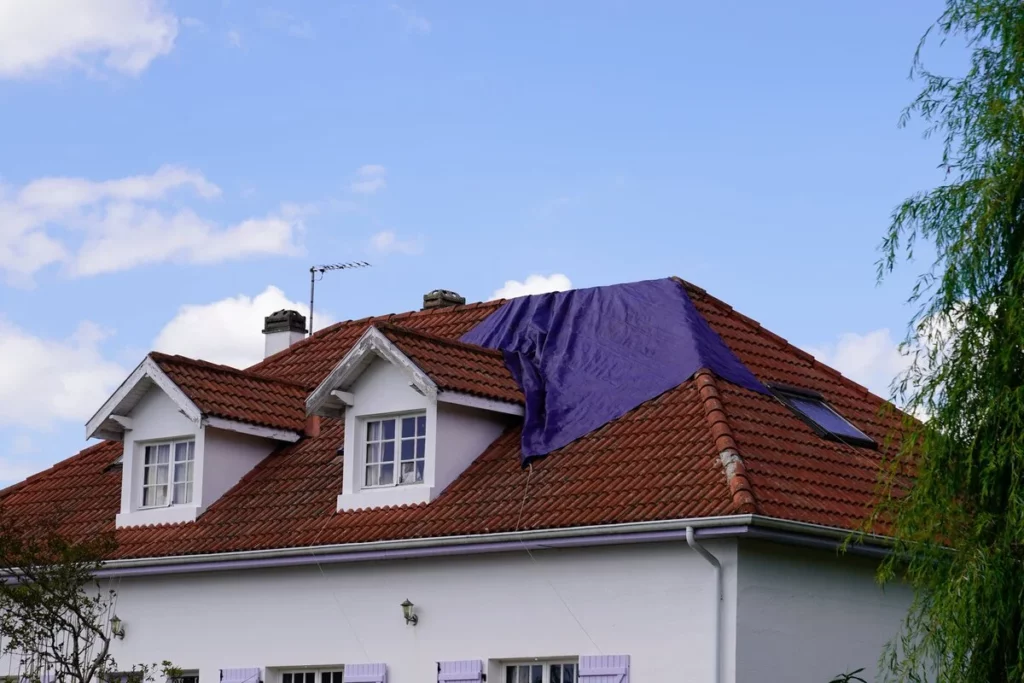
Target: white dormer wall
point(155, 418)
point(456, 435)
point(222, 458)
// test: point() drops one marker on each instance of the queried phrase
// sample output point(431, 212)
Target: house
point(356, 507)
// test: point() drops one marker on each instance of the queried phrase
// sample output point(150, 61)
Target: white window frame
point(366, 442)
point(188, 673)
point(545, 671)
point(316, 671)
point(172, 482)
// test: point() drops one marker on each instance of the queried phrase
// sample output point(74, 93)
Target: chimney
point(442, 298)
point(283, 329)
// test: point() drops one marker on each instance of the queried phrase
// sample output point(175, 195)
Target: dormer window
point(167, 473)
point(404, 435)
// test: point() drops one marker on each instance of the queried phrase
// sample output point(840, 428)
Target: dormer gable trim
point(372, 345)
point(108, 421)
point(111, 420)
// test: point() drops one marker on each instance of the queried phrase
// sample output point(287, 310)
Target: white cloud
point(387, 242)
point(534, 284)
point(413, 22)
point(94, 227)
point(872, 359)
point(44, 380)
point(234, 38)
point(228, 331)
point(370, 178)
point(98, 36)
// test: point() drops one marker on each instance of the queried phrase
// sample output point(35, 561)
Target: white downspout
point(717, 566)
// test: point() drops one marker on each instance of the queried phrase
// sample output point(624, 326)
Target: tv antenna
point(315, 271)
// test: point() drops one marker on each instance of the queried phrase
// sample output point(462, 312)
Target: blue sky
point(169, 171)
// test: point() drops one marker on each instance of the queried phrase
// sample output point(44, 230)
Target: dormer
point(191, 430)
point(418, 410)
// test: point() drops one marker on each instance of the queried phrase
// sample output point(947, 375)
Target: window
point(812, 408)
point(541, 672)
point(312, 676)
point(404, 436)
point(167, 472)
point(185, 677)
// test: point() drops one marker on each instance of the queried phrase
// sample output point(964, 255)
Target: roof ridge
point(728, 453)
point(782, 341)
point(197, 362)
point(387, 325)
point(371, 320)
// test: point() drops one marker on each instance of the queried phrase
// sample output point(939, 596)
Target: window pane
point(191, 450)
point(182, 494)
point(537, 674)
point(569, 674)
point(421, 448)
point(163, 453)
point(372, 475)
point(181, 452)
point(523, 674)
point(311, 677)
point(421, 425)
point(389, 451)
point(162, 472)
point(826, 418)
point(556, 673)
point(510, 674)
point(150, 455)
point(372, 453)
point(389, 429)
point(408, 448)
point(182, 472)
point(419, 471)
point(286, 678)
point(408, 427)
point(408, 473)
point(372, 431)
point(387, 475)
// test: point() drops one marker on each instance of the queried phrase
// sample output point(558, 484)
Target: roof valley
point(728, 454)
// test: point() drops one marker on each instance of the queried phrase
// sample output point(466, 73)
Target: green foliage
point(850, 677)
point(967, 341)
point(54, 614)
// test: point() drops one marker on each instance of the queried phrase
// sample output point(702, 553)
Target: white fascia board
point(372, 343)
point(471, 401)
point(148, 368)
point(253, 430)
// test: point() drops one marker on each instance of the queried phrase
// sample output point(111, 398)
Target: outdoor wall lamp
point(117, 627)
point(410, 616)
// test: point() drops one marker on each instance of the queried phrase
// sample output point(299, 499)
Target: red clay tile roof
point(660, 461)
point(223, 391)
point(456, 366)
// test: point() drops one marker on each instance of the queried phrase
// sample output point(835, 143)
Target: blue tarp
point(588, 356)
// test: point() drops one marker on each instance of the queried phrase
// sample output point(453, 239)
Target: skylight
point(812, 408)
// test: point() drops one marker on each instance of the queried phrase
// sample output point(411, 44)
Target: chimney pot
point(282, 329)
point(442, 298)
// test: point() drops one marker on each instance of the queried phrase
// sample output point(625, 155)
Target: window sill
point(174, 514)
point(383, 496)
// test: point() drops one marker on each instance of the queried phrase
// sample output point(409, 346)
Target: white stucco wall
point(805, 616)
point(462, 435)
point(652, 602)
point(228, 456)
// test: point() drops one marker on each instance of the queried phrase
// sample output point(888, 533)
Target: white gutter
point(441, 541)
point(719, 597)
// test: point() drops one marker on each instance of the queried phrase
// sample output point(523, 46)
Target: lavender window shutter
point(250, 675)
point(466, 671)
point(365, 673)
point(604, 669)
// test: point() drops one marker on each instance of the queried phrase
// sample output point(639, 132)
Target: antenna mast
point(314, 271)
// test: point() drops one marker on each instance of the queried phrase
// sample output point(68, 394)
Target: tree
point(55, 618)
point(959, 529)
